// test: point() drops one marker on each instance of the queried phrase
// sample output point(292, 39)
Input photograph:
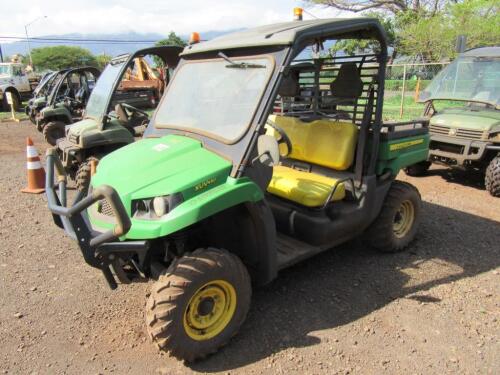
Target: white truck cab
point(14, 79)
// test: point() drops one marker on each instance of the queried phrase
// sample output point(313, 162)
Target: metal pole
point(28, 39)
point(401, 108)
point(29, 47)
point(1, 54)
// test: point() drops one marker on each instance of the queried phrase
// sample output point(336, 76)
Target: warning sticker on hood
point(160, 147)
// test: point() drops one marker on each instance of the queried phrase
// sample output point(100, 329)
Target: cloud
point(113, 16)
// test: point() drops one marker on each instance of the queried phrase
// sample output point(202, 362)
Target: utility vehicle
point(64, 101)
point(463, 103)
point(40, 93)
point(223, 192)
point(109, 122)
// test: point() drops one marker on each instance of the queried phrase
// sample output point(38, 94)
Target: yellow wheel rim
point(403, 219)
point(210, 310)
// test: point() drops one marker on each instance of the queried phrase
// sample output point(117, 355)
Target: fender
point(229, 194)
point(7, 87)
point(56, 114)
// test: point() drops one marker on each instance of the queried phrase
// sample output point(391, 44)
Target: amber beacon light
point(297, 13)
point(194, 38)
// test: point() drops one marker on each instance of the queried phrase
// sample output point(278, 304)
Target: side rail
point(419, 123)
point(94, 246)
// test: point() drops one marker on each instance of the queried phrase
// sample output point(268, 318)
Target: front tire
point(52, 131)
point(492, 177)
point(84, 173)
point(398, 220)
point(198, 304)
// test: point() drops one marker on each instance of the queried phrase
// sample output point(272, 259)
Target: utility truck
point(14, 79)
point(223, 193)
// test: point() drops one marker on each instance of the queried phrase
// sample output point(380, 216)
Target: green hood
point(161, 166)
point(86, 124)
point(467, 119)
point(90, 135)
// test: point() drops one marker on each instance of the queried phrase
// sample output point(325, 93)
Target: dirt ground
point(434, 309)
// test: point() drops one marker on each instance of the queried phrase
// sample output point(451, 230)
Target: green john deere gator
point(264, 151)
point(463, 103)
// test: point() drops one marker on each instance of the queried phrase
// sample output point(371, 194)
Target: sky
point(144, 16)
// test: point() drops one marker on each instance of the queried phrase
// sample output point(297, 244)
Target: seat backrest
point(323, 142)
point(348, 83)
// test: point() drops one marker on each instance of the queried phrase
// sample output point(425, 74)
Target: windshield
point(44, 84)
point(218, 97)
point(467, 79)
point(4, 69)
point(97, 104)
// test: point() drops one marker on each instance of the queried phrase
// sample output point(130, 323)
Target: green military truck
point(463, 103)
point(225, 190)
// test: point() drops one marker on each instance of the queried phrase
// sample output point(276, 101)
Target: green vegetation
point(60, 57)
point(171, 40)
point(426, 29)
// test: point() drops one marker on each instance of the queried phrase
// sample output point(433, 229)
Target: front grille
point(447, 147)
point(104, 208)
point(73, 138)
point(456, 132)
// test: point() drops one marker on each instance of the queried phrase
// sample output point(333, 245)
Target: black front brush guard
point(98, 249)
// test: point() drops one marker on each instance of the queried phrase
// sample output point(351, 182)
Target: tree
point(103, 60)
point(394, 7)
point(172, 40)
point(434, 38)
point(60, 57)
point(426, 29)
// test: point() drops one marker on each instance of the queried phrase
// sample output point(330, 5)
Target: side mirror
point(268, 150)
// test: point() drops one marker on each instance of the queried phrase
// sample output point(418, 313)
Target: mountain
point(110, 48)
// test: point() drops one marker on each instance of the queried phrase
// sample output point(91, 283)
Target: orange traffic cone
point(36, 173)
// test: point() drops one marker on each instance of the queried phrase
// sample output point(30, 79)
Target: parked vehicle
point(222, 191)
point(64, 103)
point(14, 79)
point(466, 132)
point(40, 94)
point(109, 122)
point(141, 86)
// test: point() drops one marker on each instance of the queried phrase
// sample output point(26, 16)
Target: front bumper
point(100, 250)
point(456, 151)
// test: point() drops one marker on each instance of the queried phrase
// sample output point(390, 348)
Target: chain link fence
point(403, 83)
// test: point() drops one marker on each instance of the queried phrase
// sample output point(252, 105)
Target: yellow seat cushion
point(323, 142)
point(305, 188)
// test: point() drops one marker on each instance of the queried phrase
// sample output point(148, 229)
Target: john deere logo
point(452, 131)
point(204, 184)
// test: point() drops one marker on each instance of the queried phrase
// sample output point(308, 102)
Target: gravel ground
point(433, 309)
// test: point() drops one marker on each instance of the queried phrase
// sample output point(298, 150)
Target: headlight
point(155, 208)
point(160, 206)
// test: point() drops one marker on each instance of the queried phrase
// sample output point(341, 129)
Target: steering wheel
point(134, 110)
point(283, 139)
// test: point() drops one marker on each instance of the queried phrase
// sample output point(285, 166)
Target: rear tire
point(83, 174)
point(52, 131)
point(492, 177)
point(398, 220)
point(419, 169)
point(198, 304)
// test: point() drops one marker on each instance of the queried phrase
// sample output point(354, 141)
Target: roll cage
point(284, 43)
point(169, 55)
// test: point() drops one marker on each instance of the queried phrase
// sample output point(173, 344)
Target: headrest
point(348, 83)
point(289, 84)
